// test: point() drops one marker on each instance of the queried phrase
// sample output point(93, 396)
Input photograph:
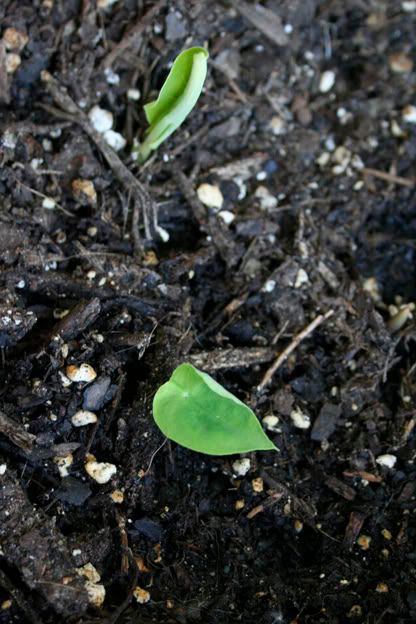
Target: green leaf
point(195, 411)
point(176, 99)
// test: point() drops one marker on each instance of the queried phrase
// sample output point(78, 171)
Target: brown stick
point(307, 331)
point(388, 177)
point(131, 35)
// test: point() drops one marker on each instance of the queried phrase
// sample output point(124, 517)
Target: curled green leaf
point(195, 411)
point(178, 96)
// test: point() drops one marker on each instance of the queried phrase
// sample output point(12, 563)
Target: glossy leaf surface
point(195, 411)
point(176, 99)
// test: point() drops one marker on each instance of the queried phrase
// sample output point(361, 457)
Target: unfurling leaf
point(176, 99)
point(195, 411)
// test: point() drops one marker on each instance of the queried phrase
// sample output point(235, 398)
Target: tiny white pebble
point(299, 419)
point(89, 572)
point(3, 468)
point(101, 472)
point(9, 139)
point(288, 28)
point(35, 163)
point(76, 552)
point(241, 466)
point(242, 187)
point(21, 284)
point(323, 159)
point(301, 278)
point(84, 190)
point(387, 460)
point(49, 203)
point(400, 316)
point(396, 129)
point(266, 199)
point(227, 216)
point(330, 144)
point(83, 372)
point(63, 463)
point(101, 119)
point(96, 593)
point(277, 125)
point(270, 422)
point(210, 195)
point(83, 417)
point(327, 81)
point(115, 140)
point(13, 62)
point(14, 39)
point(142, 595)
point(261, 175)
point(47, 145)
point(269, 286)
point(164, 235)
point(133, 95)
point(356, 162)
point(117, 496)
point(338, 169)
point(65, 381)
point(409, 114)
point(342, 156)
point(52, 265)
point(111, 77)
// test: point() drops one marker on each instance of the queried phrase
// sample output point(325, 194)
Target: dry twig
point(307, 331)
point(388, 177)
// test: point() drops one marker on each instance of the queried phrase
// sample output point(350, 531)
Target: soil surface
point(287, 196)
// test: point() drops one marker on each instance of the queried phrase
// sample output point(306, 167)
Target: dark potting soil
point(288, 198)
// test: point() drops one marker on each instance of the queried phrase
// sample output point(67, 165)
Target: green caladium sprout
point(195, 411)
point(176, 99)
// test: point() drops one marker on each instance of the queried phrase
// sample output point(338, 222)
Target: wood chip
point(16, 433)
point(353, 529)
point(268, 22)
point(341, 488)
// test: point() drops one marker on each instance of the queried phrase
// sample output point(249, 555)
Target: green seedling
point(177, 98)
point(195, 411)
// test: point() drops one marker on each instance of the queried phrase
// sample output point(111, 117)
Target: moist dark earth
point(305, 135)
